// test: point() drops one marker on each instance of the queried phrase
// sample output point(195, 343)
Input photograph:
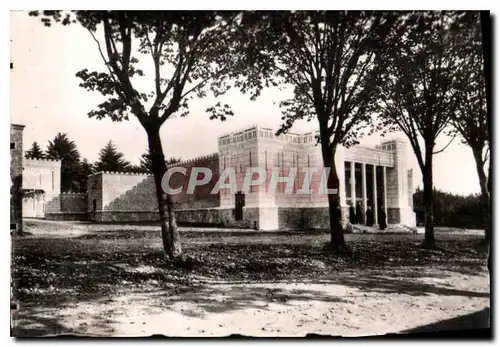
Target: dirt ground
point(350, 301)
point(297, 309)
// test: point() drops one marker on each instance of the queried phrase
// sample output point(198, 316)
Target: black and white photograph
point(251, 173)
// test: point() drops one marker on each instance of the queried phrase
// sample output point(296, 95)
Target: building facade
point(379, 177)
point(16, 177)
point(42, 196)
point(41, 187)
point(36, 187)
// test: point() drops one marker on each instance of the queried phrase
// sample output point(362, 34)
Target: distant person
point(352, 215)
point(369, 216)
point(359, 213)
point(382, 218)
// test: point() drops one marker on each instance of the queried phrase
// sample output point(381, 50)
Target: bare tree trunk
point(169, 231)
point(427, 178)
point(485, 193)
point(337, 241)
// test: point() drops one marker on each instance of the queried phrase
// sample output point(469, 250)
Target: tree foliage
point(35, 152)
point(86, 169)
point(62, 148)
point(190, 56)
point(146, 162)
point(470, 119)
point(186, 54)
point(422, 81)
point(421, 84)
point(451, 210)
point(331, 60)
point(110, 159)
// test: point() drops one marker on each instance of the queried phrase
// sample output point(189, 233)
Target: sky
point(47, 99)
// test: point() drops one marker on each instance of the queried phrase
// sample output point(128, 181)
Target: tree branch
point(441, 150)
point(155, 54)
point(118, 91)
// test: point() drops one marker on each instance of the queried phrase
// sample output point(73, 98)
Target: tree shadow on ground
point(394, 285)
point(56, 272)
point(475, 320)
point(27, 324)
point(45, 270)
point(205, 297)
point(227, 297)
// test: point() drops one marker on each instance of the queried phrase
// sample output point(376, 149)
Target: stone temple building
point(380, 177)
point(376, 177)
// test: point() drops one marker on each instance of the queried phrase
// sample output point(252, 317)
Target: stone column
point(340, 165)
point(353, 183)
point(375, 202)
point(364, 192)
point(384, 175)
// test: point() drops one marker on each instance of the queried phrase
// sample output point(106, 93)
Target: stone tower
point(400, 185)
point(16, 177)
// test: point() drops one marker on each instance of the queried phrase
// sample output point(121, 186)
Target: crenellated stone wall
point(114, 196)
point(202, 197)
point(41, 187)
point(128, 192)
point(73, 202)
point(120, 196)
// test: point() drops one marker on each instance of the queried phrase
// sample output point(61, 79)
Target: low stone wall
point(73, 202)
point(293, 218)
point(53, 204)
point(207, 217)
point(307, 218)
point(71, 216)
point(316, 218)
point(199, 217)
point(393, 215)
point(124, 216)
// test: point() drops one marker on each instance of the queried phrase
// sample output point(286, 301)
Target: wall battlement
point(73, 194)
point(196, 159)
point(240, 131)
point(42, 160)
point(122, 173)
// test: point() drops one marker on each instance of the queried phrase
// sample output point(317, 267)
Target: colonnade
point(364, 193)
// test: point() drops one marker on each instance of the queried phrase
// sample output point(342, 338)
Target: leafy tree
point(62, 148)
point(188, 53)
point(470, 119)
point(451, 210)
point(486, 33)
point(35, 152)
point(331, 60)
point(420, 88)
point(173, 160)
point(146, 163)
point(110, 159)
point(86, 169)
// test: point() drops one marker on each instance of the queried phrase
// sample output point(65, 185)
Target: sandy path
point(274, 309)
